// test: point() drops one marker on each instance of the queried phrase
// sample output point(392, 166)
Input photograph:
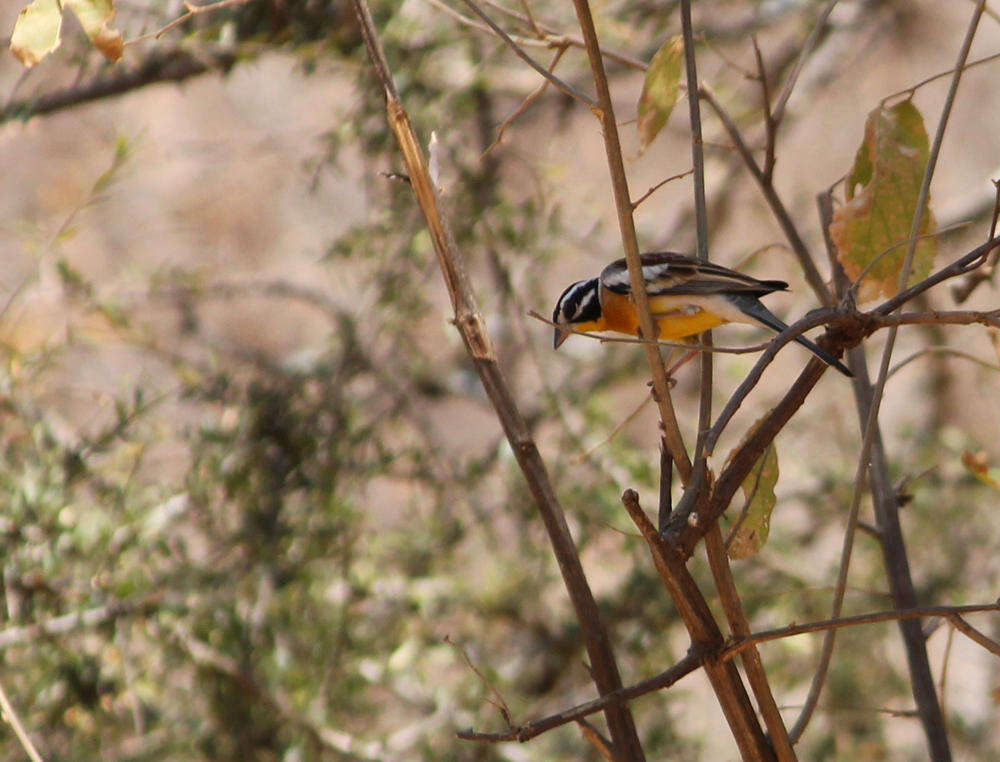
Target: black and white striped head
point(580, 307)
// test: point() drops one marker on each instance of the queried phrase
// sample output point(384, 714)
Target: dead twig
point(874, 617)
point(530, 730)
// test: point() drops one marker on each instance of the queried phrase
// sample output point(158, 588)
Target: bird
point(686, 296)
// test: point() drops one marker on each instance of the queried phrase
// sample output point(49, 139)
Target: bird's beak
point(560, 337)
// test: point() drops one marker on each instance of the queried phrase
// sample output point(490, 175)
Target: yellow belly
point(619, 315)
point(679, 326)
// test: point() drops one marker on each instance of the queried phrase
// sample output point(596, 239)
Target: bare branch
point(941, 351)
point(555, 39)
point(704, 631)
point(770, 127)
point(909, 91)
point(497, 700)
point(705, 386)
point(784, 219)
point(740, 627)
point(520, 53)
point(962, 291)
point(595, 739)
point(665, 679)
point(191, 11)
point(786, 92)
point(739, 644)
point(974, 259)
point(23, 738)
point(973, 634)
point(659, 185)
point(526, 103)
point(174, 65)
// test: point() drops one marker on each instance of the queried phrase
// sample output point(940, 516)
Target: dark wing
point(668, 273)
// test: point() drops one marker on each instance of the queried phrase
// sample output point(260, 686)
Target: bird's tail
point(753, 308)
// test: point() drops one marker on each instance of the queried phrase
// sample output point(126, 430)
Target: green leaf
point(758, 489)
point(36, 31)
point(660, 90)
point(882, 190)
point(95, 17)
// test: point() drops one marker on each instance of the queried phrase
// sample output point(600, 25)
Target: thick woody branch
point(705, 633)
point(172, 65)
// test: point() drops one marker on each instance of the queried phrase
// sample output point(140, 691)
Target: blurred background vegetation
point(250, 480)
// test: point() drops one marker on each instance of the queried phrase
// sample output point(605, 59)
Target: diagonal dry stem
point(623, 204)
point(472, 327)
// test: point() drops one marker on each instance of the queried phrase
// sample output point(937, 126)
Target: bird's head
point(579, 307)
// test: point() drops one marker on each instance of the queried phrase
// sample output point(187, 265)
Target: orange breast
point(619, 312)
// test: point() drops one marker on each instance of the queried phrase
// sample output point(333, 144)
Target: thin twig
point(526, 103)
point(530, 730)
point(191, 11)
point(973, 634)
point(909, 91)
point(531, 19)
point(943, 682)
point(837, 623)
point(520, 53)
point(937, 317)
point(555, 39)
point(798, 245)
point(786, 92)
point(705, 387)
point(659, 185)
point(594, 737)
point(770, 126)
point(964, 264)
point(941, 351)
point(497, 700)
point(15, 722)
point(962, 291)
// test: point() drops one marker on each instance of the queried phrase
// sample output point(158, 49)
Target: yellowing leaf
point(753, 527)
point(660, 90)
point(978, 465)
point(871, 228)
point(95, 18)
point(36, 31)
